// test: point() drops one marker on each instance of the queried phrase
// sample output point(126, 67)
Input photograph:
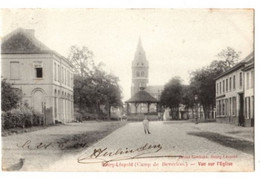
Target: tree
point(229, 56)
point(172, 95)
point(203, 80)
point(204, 84)
point(93, 87)
point(82, 59)
point(188, 97)
point(10, 97)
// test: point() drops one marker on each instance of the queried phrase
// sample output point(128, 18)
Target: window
point(234, 82)
point(58, 73)
point(249, 108)
point(142, 74)
point(227, 85)
point(61, 74)
point(138, 74)
point(68, 78)
point(234, 106)
point(230, 106)
point(247, 80)
point(223, 107)
point(230, 83)
point(217, 88)
point(252, 79)
point(38, 70)
point(220, 87)
point(240, 80)
point(65, 76)
point(55, 77)
point(246, 107)
point(223, 86)
point(14, 70)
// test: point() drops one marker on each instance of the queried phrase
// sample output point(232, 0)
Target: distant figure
point(146, 125)
point(17, 166)
point(164, 116)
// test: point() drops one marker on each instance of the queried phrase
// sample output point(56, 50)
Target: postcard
point(119, 90)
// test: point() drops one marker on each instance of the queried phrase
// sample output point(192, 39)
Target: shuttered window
point(14, 70)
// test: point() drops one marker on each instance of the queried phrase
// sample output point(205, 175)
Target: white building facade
point(249, 93)
point(231, 93)
point(44, 77)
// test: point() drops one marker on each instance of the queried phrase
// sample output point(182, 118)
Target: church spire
point(140, 53)
point(139, 46)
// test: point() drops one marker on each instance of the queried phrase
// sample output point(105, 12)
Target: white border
point(148, 4)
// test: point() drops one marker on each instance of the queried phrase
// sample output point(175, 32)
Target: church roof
point(154, 88)
point(23, 41)
point(142, 97)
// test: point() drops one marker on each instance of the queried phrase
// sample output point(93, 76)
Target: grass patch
point(231, 142)
point(78, 142)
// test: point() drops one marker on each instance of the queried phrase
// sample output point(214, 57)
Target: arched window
point(138, 74)
point(142, 74)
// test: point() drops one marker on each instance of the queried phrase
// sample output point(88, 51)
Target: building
point(234, 99)
point(44, 76)
point(249, 92)
point(140, 79)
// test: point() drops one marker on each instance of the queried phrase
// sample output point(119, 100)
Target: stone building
point(234, 93)
point(44, 77)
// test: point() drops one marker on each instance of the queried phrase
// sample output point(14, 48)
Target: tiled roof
point(142, 97)
point(23, 41)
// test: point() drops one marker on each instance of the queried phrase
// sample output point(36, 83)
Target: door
point(241, 117)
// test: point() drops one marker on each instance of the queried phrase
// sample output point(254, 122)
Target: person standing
point(164, 115)
point(146, 125)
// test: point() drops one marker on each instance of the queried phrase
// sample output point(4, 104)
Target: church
point(140, 87)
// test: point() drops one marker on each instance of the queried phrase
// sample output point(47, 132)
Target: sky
point(176, 41)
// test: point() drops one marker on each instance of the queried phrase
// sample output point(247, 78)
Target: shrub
point(37, 118)
point(10, 96)
point(21, 117)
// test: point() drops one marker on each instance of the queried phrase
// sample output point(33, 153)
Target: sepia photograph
point(127, 90)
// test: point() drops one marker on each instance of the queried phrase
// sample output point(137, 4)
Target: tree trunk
point(192, 112)
point(187, 112)
point(172, 112)
point(205, 109)
point(109, 111)
point(177, 112)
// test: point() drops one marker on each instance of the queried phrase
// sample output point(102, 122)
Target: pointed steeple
point(140, 53)
point(139, 46)
point(140, 69)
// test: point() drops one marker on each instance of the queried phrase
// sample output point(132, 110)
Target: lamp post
point(197, 112)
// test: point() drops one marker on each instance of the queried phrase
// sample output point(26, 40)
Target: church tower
point(139, 69)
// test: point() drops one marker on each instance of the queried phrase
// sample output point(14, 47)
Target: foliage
point(203, 80)
point(172, 94)
point(188, 96)
point(10, 96)
point(82, 60)
point(93, 87)
point(21, 117)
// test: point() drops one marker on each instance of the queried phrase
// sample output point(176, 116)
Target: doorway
point(241, 121)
